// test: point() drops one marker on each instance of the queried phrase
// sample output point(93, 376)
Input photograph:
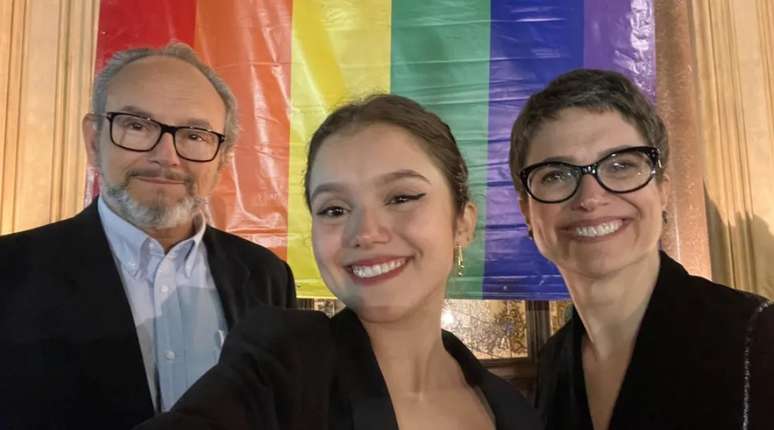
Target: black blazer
point(688, 366)
point(69, 354)
point(298, 370)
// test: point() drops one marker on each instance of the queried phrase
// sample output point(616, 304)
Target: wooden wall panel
point(685, 235)
point(46, 67)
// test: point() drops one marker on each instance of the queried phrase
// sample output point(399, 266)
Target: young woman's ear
point(466, 224)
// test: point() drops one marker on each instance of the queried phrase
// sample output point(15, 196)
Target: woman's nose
point(367, 229)
point(590, 194)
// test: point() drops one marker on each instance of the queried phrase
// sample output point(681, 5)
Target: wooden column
point(46, 65)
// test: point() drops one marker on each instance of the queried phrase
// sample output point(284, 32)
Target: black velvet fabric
point(69, 354)
point(294, 370)
point(687, 367)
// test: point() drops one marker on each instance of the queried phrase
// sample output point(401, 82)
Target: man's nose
point(164, 152)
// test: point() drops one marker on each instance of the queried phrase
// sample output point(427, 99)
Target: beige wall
point(46, 64)
point(734, 50)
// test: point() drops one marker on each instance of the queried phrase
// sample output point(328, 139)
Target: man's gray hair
point(182, 52)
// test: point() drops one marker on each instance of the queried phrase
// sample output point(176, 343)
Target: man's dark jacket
point(69, 354)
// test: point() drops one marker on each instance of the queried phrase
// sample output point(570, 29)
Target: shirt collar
point(196, 247)
point(129, 242)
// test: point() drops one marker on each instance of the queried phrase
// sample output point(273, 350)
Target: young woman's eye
point(331, 212)
point(404, 198)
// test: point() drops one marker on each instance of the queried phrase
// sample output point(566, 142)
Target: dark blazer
point(298, 370)
point(69, 354)
point(688, 366)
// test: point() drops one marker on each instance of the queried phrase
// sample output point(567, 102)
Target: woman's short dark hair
point(594, 90)
point(436, 137)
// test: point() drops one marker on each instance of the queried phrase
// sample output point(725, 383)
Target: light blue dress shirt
point(175, 305)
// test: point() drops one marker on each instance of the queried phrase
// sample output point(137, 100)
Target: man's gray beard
point(157, 215)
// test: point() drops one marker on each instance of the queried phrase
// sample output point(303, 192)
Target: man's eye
point(196, 136)
point(138, 126)
point(404, 198)
point(331, 212)
point(133, 124)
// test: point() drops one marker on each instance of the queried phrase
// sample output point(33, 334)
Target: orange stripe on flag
point(248, 43)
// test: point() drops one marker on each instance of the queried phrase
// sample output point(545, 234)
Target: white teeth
point(377, 269)
point(599, 230)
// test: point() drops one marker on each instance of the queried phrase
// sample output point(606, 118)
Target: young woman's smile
point(383, 224)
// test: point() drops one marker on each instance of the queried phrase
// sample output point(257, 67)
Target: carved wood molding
point(47, 52)
point(685, 235)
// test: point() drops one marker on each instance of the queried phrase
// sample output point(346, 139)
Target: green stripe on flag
point(440, 58)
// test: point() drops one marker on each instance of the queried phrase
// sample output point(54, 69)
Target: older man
point(108, 317)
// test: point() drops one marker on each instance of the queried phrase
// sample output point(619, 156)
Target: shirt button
point(170, 355)
point(164, 289)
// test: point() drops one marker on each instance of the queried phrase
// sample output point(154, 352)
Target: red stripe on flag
point(248, 43)
point(128, 24)
point(139, 23)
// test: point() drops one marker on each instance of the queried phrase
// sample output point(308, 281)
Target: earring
point(664, 217)
point(530, 234)
point(459, 258)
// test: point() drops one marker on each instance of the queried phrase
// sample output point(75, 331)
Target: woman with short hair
point(649, 346)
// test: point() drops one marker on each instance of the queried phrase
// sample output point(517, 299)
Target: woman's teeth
point(377, 269)
point(599, 230)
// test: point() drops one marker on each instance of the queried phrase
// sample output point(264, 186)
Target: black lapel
point(102, 327)
point(510, 408)
point(359, 378)
point(658, 361)
point(230, 274)
point(580, 416)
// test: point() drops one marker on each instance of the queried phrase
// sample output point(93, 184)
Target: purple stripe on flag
point(620, 36)
point(531, 43)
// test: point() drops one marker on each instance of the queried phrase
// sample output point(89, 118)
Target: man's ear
point(89, 127)
point(466, 225)
point(225, 158)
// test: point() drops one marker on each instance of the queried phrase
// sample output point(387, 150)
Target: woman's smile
point(375, 270)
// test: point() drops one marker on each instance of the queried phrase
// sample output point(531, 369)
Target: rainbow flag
point(473, 62)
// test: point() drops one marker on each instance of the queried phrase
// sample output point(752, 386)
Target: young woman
point(649, 346)
point(387, 189)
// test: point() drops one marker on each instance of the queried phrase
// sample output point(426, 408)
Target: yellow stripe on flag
point(340, 51)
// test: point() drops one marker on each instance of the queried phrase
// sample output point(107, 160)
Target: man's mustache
point(160, 173)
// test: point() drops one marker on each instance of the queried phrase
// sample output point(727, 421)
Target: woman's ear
point(466, 224)
point(665, 189)
point(524, 207)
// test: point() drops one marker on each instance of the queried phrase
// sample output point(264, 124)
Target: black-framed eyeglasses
point(620, 172)
point(141, 134)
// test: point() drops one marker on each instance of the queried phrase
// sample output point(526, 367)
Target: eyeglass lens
point(619, 172)
point(141, 134)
